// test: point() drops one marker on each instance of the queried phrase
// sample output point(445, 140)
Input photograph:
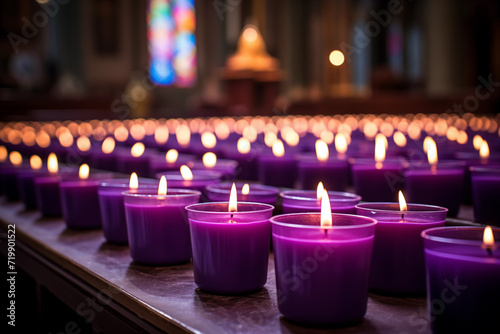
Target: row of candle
point(309, 254)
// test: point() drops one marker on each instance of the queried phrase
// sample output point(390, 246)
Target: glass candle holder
point(201, 179)
point(322, 272)
point(258, 193)
point(47, 193)
point(463, 276)
point(334, 173)
point(398, 266)
point(224, 166)
point(277, 171)
point(80, 200)
point(112, 206)
point(230, 249)
point(26, 186)
point(486, 194)
point(157, 225)
point(436, 185)
point(295, 201)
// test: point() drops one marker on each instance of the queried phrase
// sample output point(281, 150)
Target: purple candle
point(463, 275)
point(48, 197)
point(334, 173)
point(397, 240)
point(79, 199)
point(433, 184)
point(210, 162)
point(187, 179)
point(297, 201)
point(278, 169)
point(26, 183)
point(230, 245)
point(246, 192)
point(246, 157)
point(111, 202)
point(172, 161)
point(135, 162)
point(105, 159)
point(486, 194)
point(158, 229)
point(322, 271)
point(8, 176)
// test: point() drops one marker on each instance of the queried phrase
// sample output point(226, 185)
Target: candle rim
point(347, 197)
point(261, 190)
point(370, 222)
point(432, 208)
point(427, 234)
point(494, 168)
point(125, 183)
point(153, 193)
point(241, 208)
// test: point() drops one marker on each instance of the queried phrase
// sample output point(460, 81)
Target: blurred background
point(117, 59)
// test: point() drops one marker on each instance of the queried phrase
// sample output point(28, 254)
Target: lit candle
point(246, 157)
point(48, 195)
point(322, 264)
point(463, 271)
point(486, 194)
point(246, 193)
point(8, 176)
point(136, 161)
point(210, 162)
point(278, 169)
point(397, 239)
point(231, 243)
point(158, 231)
point(191, 179)
point(105, 159)
point(26, 182)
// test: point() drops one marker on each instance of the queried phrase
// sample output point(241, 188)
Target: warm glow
point(84, 172)
point(291, 137)
point(35, 162)
point(336, 58)
point(326, 210)
point(209, 160)
point(138, 132)
point(488, 238)
point(278, 148)
point(243, 145)
point(381, 137)
point(208, 140)
point(42, 139)
point(183, 135)
point(171, 156)
point(270, 138)
point(3, 153)
point(66, 139)
point(428, 141)
point(161, 134)
point(319, 191)
point(137, 150)
point(462, 137)
point(134, 181)
point(399, 138)
point(52, 164)
point(402, 202)
point(432, 155)
point(108, 145)
point(15, 158)
point(477, 141)
point(379, 151)
point(186, 173)
point(322, 152)
point(233, 199)
point(162, 187)
point(340, 143)
point(245, 190)
point(484, 150)
point(250, 34)
point(121, 133)
point(83, 143)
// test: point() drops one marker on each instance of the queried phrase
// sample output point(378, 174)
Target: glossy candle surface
point(258, 193)
point(296, 201)
point(80, 201)
point(440, 185)
point(112, 207)
point(322, 272)
point(157, 225)
point(230, 257)
point(277, 171)
point(462, 280)
point(486, 194)
point(375, 182)
point(334, 173)
point(398, 266)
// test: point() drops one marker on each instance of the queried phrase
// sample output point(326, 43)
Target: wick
point(403, 216)
point(490, 252)
point(326, 232)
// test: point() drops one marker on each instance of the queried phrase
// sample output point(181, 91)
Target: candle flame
point(15, 158)
point(66, 139)
point(484, 150)
point(341, 143)
point(209, 160)
point(427, 141)
point(399, 139)
point(432, 155)
point(278, 148)
point(319, 191)
point(161, 134)
point(243, 145)
point(208, 140)
point(3, 153)
point(183, 135)
point(232, 199)
point(35, 162)
point(84, 172)
point(186, 173)
point(270, 138)
point(121, 133)
point(326, 210)
point(477, 141)
point(245, 190)
point(108, 145)
point(137, 150)
point(83, 143)
point(134, 181)
point(42, 139)
point(162, 187)
point(488, 238)
point(52, 164)
point(402, 202)
point(171, 156)
point(379, 151)
point(322, 152)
